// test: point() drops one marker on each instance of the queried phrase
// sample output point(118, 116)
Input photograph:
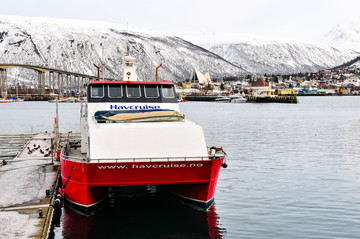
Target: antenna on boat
point(102, 61)
point(157, 68)
point(98, 72)
point(101, 67)
point(127, 40)
point(127, 49)
point(129, 63)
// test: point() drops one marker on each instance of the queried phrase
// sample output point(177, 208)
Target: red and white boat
point(132, 133)
point(5, 100)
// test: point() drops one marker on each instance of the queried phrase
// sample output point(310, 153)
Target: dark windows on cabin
point(168, 91)
point(151, 91)
point(133, 91)
point(97, 91)
point(155, 93)
point(115, 91)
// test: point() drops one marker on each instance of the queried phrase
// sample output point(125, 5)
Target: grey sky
point(300, 19)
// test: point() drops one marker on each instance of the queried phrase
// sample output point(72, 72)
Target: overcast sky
point(296, 19)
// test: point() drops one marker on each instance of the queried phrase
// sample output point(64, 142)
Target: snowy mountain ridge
point(345, 35)
point(273, 56)
point(73, 45)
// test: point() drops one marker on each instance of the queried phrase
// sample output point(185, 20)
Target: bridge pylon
point(3, 83)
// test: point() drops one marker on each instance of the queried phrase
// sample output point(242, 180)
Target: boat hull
point(86, 184)
point(238, 100)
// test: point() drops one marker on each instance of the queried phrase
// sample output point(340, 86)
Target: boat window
point(133, 91)
point(115, 91)
point(168, 92)
point(151, 91)
point(97, 91)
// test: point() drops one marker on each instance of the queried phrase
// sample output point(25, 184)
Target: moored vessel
point(223, 99)
point(238, 99)
point(5, 100)
point(133, 133)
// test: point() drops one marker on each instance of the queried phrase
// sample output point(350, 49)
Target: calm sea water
point(294, 172)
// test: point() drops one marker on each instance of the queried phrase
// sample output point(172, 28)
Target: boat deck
point(74, 154)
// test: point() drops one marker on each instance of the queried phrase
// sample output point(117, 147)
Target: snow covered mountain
point(75, 46)
point(261, 56)
point(345, 35)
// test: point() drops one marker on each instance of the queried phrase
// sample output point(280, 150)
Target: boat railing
point(73, 142)
point(138, 160)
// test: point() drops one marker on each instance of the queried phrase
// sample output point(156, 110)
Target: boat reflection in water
point(150, 215)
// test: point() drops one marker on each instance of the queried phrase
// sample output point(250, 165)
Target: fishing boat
point(133, 133)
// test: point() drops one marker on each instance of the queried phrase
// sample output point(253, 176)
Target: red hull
point(87, 186)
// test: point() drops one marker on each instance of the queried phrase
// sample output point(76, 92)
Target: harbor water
point(293, 172)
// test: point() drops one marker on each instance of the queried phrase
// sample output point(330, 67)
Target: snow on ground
point(17, 225)
point(26, 178)
point(22, 183)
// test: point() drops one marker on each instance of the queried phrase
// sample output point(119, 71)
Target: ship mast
point(129, 69)
point(102, 61)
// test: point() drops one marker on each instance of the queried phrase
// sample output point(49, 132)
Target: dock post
point(52, 150)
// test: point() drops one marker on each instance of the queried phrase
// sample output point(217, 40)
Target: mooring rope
point(68, 177)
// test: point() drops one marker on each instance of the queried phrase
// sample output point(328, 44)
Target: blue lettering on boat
point(134, 107)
